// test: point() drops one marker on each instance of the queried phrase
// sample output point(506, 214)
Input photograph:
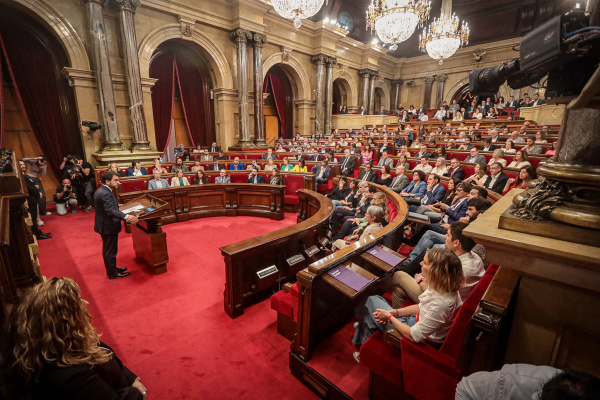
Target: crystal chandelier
point(445, 35)
point(396, 20)
point(297, 9)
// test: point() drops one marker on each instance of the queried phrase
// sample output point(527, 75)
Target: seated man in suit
point(253, 165)
point(475, 157)
point(385, 146)
point(368, 175)
point(216, 166)
point(455, 170)
point(400, 181)
point(221, 156)
point(488, 146)
point(467, 145)
point(321, 172)
point(423, 152)
point(214, 148)
point(511, 102)
point(254, 177)
point(383, 111)
point(269, 155)
point(315, 156)
point(353, 149)
point(363, 111)
point(347, 164)
point(179, 165)
point(385, 160)
point(497, 179)
point(494, 136)
point(206, 157)
point(223, 177)
point(237, 165)
point(136, 169)
point(435, 192)
point(537, 101)
point(299, 155)
point(157, 182)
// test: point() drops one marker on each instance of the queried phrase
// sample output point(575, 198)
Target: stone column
point(363, 99)
point(240, 37)
point(259, 126)
point(319, 60)
point(329, 62)
point(428, 86)
point(396, 85)
point(100, 58)
point(440, 79)
point(134, 80)
point(372, 77)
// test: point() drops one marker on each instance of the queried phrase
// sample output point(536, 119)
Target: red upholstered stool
point(293, 183)
point(285, 302)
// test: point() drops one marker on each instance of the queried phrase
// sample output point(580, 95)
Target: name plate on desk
point(293, 260)
point(385, 256)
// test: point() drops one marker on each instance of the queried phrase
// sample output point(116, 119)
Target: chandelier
point(396, 20)
point(297, 9)
point(444, 36)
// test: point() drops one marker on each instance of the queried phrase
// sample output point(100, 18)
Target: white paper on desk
point(132, 209)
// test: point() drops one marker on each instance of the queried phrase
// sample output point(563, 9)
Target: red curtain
point(163, 96)
point(195, 87)
point(279, 97)
point(34, 63)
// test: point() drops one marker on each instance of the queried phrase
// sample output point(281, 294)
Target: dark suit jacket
point(492, 148)
point(350, 165)
point(108, 217)
point(370, 176)
point(259, 179)
point(266, 156)
point(130, 171)
point(512, 104)
point(364, 112)
point(421, 110)
point(314, 158)
point(111, 380)
point(498, 185)
point(214, 149)
point(385, 148)
point(457, 213)
point(458, 173)
point(435, 195)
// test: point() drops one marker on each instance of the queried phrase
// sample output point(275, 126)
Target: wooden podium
point(149, 240)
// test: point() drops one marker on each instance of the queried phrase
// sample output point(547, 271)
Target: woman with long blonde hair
point(51, 350)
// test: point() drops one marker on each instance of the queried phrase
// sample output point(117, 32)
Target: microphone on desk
point(143, 191)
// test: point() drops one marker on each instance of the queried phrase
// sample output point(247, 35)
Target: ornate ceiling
point(488, 21)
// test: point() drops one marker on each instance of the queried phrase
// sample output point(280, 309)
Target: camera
point(94, 126)
point(68, 187)
point(562, 48)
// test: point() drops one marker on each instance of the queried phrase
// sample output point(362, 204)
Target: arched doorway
point(182, 101)
point(378, 101)
point(279, 104)
point(40, 114)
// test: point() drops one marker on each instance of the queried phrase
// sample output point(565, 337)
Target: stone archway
point(348, 85)
point(303, 103)
point(384, 95)
point(62, 29)
point(224, 94)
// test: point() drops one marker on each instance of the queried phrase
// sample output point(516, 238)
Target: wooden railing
point(288, 250)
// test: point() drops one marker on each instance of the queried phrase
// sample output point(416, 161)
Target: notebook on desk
point(349, 277)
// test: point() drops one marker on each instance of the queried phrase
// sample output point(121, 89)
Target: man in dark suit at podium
point(108, 223)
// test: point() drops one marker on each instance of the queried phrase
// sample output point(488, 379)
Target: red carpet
point(171, 329)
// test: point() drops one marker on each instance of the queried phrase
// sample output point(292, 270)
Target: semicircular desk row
point(257, 267)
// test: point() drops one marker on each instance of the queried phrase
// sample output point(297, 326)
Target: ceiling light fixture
point(297, 9)
point(396, 20)
point(445, 35)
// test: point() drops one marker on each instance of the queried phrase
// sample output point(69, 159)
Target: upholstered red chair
point(468, 170)
point(133, 185)
point(150, 169)
point(418, 369)
point(293, 183)
point(239, 178)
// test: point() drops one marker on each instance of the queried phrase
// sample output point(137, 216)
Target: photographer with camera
point(37, 166)
point(65, 196)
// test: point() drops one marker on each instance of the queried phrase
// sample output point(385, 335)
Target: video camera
point(565, 48)
point(94, 126)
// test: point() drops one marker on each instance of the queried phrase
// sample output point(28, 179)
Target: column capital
point(319, 59)
point(259, 40)
point(240, 35)
point(331, 61)
point(429, 80)
point(398, 82)
point(127, 5)
point(441, 78)
point(373, 74)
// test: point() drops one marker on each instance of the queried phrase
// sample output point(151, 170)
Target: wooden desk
point(288, 249)
point(215, 200)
